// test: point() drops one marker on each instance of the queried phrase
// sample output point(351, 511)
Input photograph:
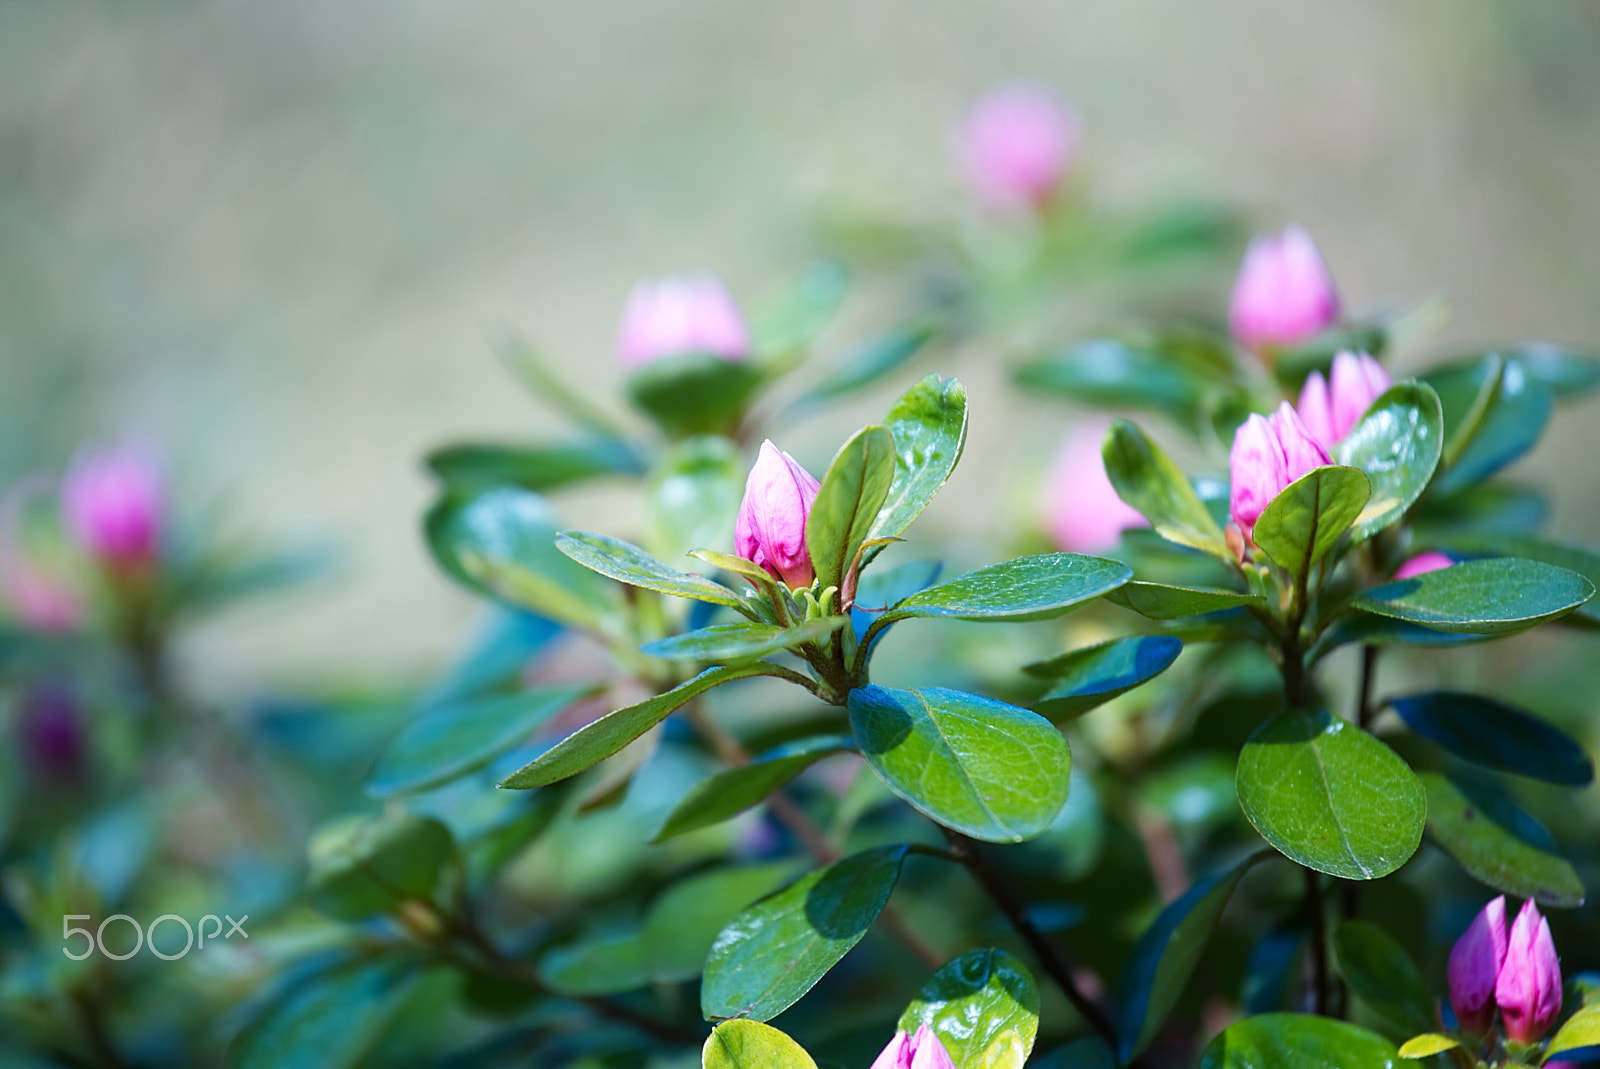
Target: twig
point(1317, 959)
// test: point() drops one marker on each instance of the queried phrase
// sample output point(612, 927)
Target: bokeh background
point(274, 235)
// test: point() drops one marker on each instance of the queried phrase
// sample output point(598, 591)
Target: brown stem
point(967, 852)
point(1317, 958)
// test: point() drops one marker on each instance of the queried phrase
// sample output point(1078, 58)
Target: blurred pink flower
point(681, 314)
point(37, 595)
point(1269, 453)
point(1016, 145)
point(112, 502)
point(1284, 294)
point(924, 1050)
point(1332, 407)
point(1082, 511)
point(1475, 963)
point(771, 526)
point(1528, 988)
point(1430, 561)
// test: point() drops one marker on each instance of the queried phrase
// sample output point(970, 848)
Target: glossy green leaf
point(1477, 542)
point(695, 393)
point(1168, 953)
point(502, 543)
point(1510, 427)
point(1484, 597)
point(1106, 372)
point(684, 920)
point(752, 1045)
point(364, 866)
point(776, 951)
point(1581, 1030)
point(603, 965)
point(1482, 844)
point(1159, 601)
point(1280, 1040)
point(1300, 525)
point(846, 507)
point(1083, 679)
point(1149, 481)
point(627, 563)
point(790, 320)
point(454, 738)
point(331, 1019)
point(742, 641)
point(1495, 735)
point(1330, 796)
point(929, 425)
point(983, 1006)
point(595, 742)
point(1426, 1045)
point(982, 767)
point(861, 365)
point(539, 468)
point(693, 496)
point(732, 791)
point(1027, 588)
point(1397, 446)
point(1379, 970)
point(1564, 372)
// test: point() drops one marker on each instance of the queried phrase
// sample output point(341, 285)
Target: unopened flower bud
point(1083, 513)
point(1430, 561)
point(925, 1050)
point(1284, 294)
point(1269, 453)
point(1332, 407)
point(1475, 963)
point(681, 314)
point(1528, 988)
point(771, 526)
point(1016, 146)
point(112, 502)
point(51, 730)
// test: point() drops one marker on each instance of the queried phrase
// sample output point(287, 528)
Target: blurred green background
point(274, 235)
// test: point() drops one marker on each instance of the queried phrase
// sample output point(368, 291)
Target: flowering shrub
point(746, 759)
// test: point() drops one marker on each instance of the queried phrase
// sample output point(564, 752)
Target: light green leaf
point(752, 1045)
point(788, 322)
point(1086, 678)
point(982, 767)
point(1379, 970)
point(1149, 481)
point(364, 866)
point(1481, 597)
point(627, 563)
point(983, 1006)
point(1330, 796)
point(476, 466)
point(861, 365)
point(1300, 525)
point(597, 965)
point(1397, 445)
point(1427, 1045)
point(1158, 601)
point(743, 641)
point(1109, 373)
point(847, 504)
point(1027, 588)
point(929, 425)
point(696, 393)
point(693, 496)
point(1586, 562)
point(1581, 1030)
point(684, 920)
point(733, 790)
point(1280, 1040)
point(331, 1019)
point(1480, 842)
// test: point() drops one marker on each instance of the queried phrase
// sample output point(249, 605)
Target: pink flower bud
point(112, 503)
point(1474, 966)
point(1016, 146)
point(925, 1050)
point(1269, 453)
point(1431, 561)
point(1284, 294)
point(771, 527)
point(1528, 988)
point(1332, 407)
point(1083, 513)
point(681, 314)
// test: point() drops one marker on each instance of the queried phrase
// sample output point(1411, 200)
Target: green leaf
point(603, 965)
point(1581, 1030)
point(1510, 427)
point(1330, 796)
point(1084, 1053)
point(627, 563)
point(1586, 562)
point(331, 1019)
point(475, 466)
point(1564, 372)
point(1300, 525)
point(1397, 446)
point(595, 742)
point(694, 495)
point(1379, 970)
point(861, 365)
point(502, 543)
point(1094, 675)
point(983, 1006)
point(776, 951)
point(1158, 601)
point(752, 1045)
point(789, 322)
point(1480, 842)
point(1278, 1040)
point(982, 767)
point(364, 866)
point(1481, 597)
point(746, 640)
point(535, 369)
point(695, 393)
point(929, 425)
point(1427, 1045)
point(847, 504)
point(684, 920)
point(453, 738)
point(1149, 481)
point(732, 791)
point(1168, 953)
point(1494, 735)
point(1027, 588)
point(1108, 373)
